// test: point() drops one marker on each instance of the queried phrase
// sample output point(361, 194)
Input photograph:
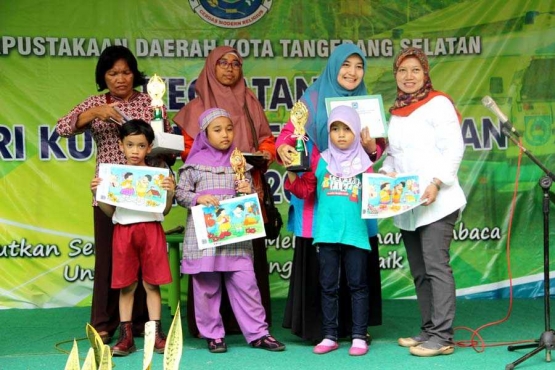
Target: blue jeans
point(355, 261)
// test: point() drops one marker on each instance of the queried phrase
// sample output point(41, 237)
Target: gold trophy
point(156, 89)
point(299, 116)
point(239, 166)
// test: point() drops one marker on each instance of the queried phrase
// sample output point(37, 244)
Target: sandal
point(268, 343)
point(216, 345)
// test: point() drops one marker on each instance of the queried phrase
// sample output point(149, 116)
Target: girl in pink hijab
point(340, 233)
point(206, 178)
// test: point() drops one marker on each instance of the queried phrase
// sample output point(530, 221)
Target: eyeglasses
point(224, 64)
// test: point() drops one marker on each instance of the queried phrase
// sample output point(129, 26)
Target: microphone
point(489, 103)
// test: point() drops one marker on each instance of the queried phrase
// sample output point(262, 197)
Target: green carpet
point(29, 340)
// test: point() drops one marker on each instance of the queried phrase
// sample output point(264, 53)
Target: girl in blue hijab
point(328, 86)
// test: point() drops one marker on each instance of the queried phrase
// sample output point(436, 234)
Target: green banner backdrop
point(48, 52)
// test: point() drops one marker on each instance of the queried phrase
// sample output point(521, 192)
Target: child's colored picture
point(234, 220)
point(384, 196)
point(132, 187)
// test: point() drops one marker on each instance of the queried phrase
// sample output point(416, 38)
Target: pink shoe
point(357, 351)
point(320, 349)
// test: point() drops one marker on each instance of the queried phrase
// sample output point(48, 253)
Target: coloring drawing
point(234, 220)
point(132, 187)
point(384, 196)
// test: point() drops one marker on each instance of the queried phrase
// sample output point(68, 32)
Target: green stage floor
point(32, 339)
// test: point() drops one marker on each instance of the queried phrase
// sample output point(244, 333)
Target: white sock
point(359, 343)
point(327, 342)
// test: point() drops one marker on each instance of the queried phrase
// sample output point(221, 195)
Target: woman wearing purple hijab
point(207, 178)
point(340, 233)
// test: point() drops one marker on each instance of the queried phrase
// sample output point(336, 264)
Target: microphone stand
point(547, 338)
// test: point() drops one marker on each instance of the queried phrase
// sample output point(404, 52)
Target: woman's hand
point(430, 194)
point(368, 143)
point(267, 156)
point(431, 191)
point(109, 113)
point(390, 174)
point(285, 152)
point(94, 184)
point(208, 200)
point(106, 112)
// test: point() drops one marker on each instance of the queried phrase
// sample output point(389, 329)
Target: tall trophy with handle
point(299, 116)
point(156, 89)
point(164, 142)
point(239, 166)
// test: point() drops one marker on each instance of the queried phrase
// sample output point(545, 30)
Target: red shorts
point(140, 246)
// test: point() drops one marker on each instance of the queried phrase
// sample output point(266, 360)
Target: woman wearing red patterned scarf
point(425, 139)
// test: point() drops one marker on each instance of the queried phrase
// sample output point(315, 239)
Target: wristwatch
point(435, 182)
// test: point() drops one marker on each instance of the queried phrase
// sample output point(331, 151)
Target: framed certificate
point(369, 108)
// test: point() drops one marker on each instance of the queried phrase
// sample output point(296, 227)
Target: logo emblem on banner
point(231, 13)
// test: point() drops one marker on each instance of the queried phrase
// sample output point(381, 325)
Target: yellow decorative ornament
point(106, 358)
point(73, 359)
point(99, 356)
point(96, 343)
point(90, 363)
point(150, 336)
point(174, 343)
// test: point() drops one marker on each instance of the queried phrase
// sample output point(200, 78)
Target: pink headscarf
point(202, 152)
point(353, 160)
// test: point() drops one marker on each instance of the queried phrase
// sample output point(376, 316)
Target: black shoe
point(268, 343)
point(105, 337)
point(216, 345)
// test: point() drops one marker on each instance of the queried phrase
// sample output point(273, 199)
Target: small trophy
point(239, 165)
point(156, 89)
point(300, 160)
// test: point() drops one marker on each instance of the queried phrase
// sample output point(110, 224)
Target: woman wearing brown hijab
point(221, 85)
